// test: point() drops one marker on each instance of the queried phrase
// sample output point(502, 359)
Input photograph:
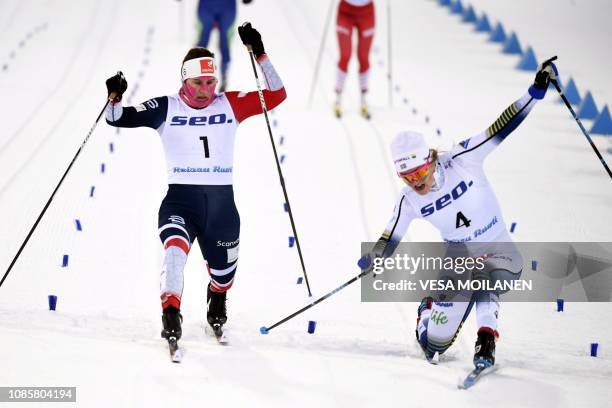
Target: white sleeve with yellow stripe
point(475, 149)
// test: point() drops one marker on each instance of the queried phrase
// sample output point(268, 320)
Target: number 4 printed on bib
point(462, 220)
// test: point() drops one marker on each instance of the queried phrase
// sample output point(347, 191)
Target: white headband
point(198, 67)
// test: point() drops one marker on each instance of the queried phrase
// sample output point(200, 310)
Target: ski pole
point(278, 168)
point(319, 56)
point(55, 191)
point(265, 330)
point(584, 131)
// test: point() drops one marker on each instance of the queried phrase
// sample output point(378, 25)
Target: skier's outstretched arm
point(477, 148)
point(403, 214)
point(247, 104)
point(151, 113)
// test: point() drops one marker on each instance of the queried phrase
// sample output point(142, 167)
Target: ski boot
point(171, 319)
point(365, 112)
point(484, 350)
point(338, 110)
point(217, 312)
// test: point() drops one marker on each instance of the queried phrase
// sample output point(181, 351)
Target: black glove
point(251, 36)
point(116, 85)
point(546, 72)
point(368, 262)
point(246, 1)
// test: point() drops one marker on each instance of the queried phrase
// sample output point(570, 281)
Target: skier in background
point(451, 191)
point(360, 15)
point(197, 128)
point(220, 14)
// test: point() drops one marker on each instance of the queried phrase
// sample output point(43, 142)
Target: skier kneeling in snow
point(198, 127)
point(451, 191)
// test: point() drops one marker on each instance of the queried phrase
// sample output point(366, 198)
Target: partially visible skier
point(357, 14)
point(451, 191)
point(198, 128)
point(220, 14)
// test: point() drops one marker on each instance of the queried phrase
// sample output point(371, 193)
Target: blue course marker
point(560, 303)
point(300, 280)
point(603, 123)
point(444, 2)
point(499, 34)
point(64, 261)
point(312, 325)
point(594, 347)
point(291, 242)
point(534, 265)
point(282, 158)
point(483, 25)
point(469, 15)
point(528, 62)
point(102, 168)
point(457, 7)
point(512, 45)
point(286, 207)
point(111, 147)
point(78, 225)
point(439, 132)
point(588, 109)
point(274, 123)
point(571, 93)
point(281, 140)
point(512, 227)
point(91, 191)
point(52, 302)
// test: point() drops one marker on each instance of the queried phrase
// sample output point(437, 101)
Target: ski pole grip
point(548, 61)
point(112, 96)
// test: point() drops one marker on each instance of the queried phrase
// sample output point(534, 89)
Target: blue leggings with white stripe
point(208, 214)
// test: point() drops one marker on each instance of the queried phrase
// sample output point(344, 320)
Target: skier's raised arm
point(151, 113)
point(247, 104)
point(475, 149)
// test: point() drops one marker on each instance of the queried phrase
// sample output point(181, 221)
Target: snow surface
point(104, 336)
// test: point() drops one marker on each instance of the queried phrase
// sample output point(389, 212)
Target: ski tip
point(263, 330)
